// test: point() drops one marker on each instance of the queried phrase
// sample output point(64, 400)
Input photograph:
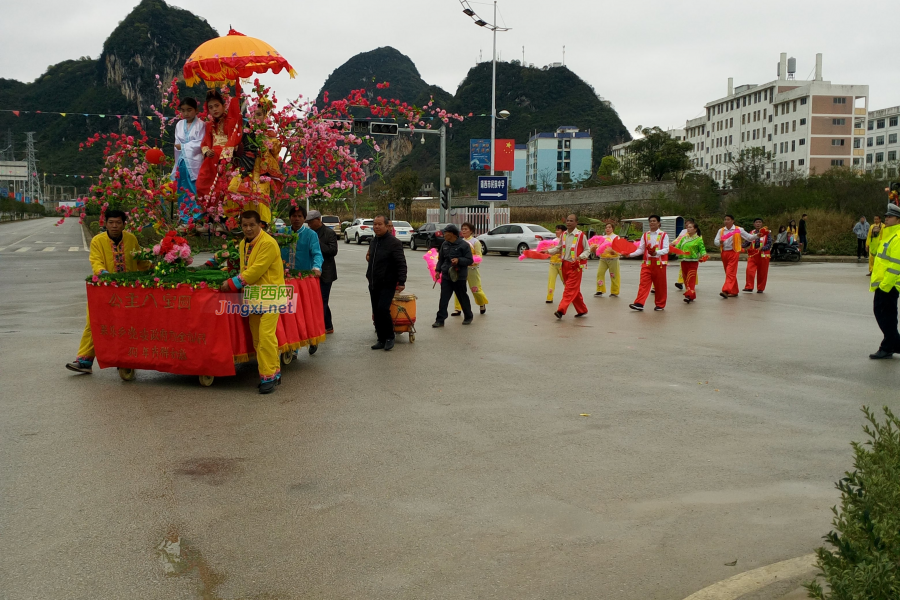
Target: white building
point(882, 147)
point(805, 126)
point(695, 133)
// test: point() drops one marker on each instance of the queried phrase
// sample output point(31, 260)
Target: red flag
point(15, 112)
point(505, 155)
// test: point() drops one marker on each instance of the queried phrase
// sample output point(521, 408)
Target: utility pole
point(444, 183)
point(32, 185)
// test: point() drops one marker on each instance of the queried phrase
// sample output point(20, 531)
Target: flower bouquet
point(171, 255)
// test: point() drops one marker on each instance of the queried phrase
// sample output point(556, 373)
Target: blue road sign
point(493, 188)
point(391, 206)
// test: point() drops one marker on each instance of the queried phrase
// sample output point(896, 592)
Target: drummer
point(111, 252)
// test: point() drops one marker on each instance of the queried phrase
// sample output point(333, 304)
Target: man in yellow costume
point(261, 265)
point(111, 252)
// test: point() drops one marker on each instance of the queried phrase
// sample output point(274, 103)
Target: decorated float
point(172, 317)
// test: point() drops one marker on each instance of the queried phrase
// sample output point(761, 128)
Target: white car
point(515, 237)
point(359, 230)
point(403, 231)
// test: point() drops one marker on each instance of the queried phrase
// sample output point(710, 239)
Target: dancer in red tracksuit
point(729, 239)
point(574, 251)
point(654, 248)
point(759, 253)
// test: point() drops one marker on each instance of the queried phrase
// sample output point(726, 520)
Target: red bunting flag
point(15, 112)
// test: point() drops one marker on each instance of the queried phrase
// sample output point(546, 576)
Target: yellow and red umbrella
point(229, 57)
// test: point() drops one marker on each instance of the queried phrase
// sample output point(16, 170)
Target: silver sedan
point(515, 237)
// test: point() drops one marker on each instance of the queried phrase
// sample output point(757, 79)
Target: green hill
point(154, 39)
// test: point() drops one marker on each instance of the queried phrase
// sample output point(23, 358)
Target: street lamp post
point(494, 28)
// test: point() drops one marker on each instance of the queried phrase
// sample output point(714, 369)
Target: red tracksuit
point(653, 271)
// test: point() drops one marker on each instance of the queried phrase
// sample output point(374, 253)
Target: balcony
point(859, 132)
point(859, 111)
point(859, 152)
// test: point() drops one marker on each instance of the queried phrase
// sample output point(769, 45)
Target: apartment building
point(695, 133)
point(804, 126)
point(882, 146)
point(554, 159)
point(517, 177)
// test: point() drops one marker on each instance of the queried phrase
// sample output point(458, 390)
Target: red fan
point(623, 246)
point(534, 254)
point(678, 251)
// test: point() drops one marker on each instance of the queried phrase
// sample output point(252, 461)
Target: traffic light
point(384, 128)
point(360, 126)
point(445, 199)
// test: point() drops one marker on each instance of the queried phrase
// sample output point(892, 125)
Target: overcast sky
point(658, 61)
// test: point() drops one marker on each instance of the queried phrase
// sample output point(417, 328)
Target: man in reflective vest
point(885, 283)
point(654, 248)
point(574, 251)
point(759, 253)
point(729, 240)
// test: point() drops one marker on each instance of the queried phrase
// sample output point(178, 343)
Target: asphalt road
point(455, 467)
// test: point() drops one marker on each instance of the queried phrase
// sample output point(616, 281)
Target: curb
point(751, 581)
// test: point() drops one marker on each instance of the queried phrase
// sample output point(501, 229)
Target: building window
point(857, 142)
point(870, 141)
point(892, 155)
point(839, 100)
point(879, 141)
point(794, 125)
point(837, 142)
point(803, 122)
point(892, 172)
point(795, 110)
point(879, 157)
point(801, 162)
point(879, 124)
point(857, 161)
point(892, 138)
point(793, 146)
point(871, 125)
point(803, 141)
point(802, 101)
point(839, 121)
point(567, 144)
point(559, 145)
point(837, 162)
point(868, 159)
point(892, 122)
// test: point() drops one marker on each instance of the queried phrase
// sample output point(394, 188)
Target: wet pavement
point(624, 455)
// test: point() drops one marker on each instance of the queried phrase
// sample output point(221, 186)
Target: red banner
point(505, 156)
point(169, 330)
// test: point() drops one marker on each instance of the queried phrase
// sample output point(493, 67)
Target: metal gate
point(476, 215)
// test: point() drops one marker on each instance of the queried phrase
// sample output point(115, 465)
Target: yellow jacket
point(263, 266)
point(103, 258)
point(886, 270)
point(870, 241)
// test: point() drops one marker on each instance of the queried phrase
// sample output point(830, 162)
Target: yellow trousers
point(871, 261)
point(263, 327)
point(86, 347)
point(474, 281)
point(611, 265)
point(555, 271)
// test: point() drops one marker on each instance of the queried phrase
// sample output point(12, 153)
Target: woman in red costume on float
point(224, 130)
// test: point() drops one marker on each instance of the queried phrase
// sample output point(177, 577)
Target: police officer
point(886, 283)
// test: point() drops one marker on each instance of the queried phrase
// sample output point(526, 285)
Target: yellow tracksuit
point(555, 271)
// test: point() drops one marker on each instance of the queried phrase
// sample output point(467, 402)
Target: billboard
point(15, 170)
point(480, 155)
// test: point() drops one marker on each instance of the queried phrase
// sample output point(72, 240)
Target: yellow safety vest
point(886, 270)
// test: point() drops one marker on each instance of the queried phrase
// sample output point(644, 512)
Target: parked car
point(359, 230)
point(333, 223)
point(403, 231)
point(515, 237)
point(277, 225)
point(429, 235)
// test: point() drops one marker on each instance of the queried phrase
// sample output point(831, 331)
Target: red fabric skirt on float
point(184, 331)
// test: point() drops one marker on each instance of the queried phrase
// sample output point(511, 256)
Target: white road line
point(74, 249)
point(25, 249)
point(83, 241)
point(49, 249)
point(2, 248)
point(744, 583)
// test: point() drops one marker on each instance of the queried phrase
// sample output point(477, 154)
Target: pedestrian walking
point(729, 239)
point(555, 267)
point(609, 261)
point(474, 279)
point(454, 260)
point(307, 253)
point(861, 229)
point(387, 275)
point(574, 251)
point(328, 245)
point(759, 254)
point(692, 243)
point(801, 230)
point(873, 239)
point(654, 248)
point(885, 283)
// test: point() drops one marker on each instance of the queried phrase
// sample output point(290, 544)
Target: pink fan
point(431, 259)
point(546, 245)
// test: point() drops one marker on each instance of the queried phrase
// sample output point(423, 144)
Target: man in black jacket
point(453, 263)
point(328, 243)
point(386, 274)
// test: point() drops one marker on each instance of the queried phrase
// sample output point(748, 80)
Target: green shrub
point(94, 226)
point(865, 562)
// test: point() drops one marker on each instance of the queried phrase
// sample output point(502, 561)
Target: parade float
point(172, 317)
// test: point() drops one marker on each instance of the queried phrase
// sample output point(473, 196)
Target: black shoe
point(881, 354)
point(268, 387)
point(613, 295)
point(551, 301)
point(558, 315)
point(437, 324)
point(748, 290)
point(312, 349)
point(723, 294)
point(389, 345)
point(687, 300)
point(658, 308)
point(636, 306)
point(483, 309)
point(79, 367)
point(759, 291)
point(580, 314)
point(456, 313)
point(378, 346)
point(680, 286)
point(468, 320)
point(598, 294)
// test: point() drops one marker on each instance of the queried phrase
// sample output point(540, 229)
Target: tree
point(547, 179)
point(749, 167)
point(608, 172)
point(658, 154)
point(404, 187)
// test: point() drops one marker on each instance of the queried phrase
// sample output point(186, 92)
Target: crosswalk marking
point(71, 248)
point(45, 249)
point(25, 249)
point(49, 249)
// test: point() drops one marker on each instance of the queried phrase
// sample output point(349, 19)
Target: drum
point(403, 314)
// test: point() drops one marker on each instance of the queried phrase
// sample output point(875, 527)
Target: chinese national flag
point(505, 157)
